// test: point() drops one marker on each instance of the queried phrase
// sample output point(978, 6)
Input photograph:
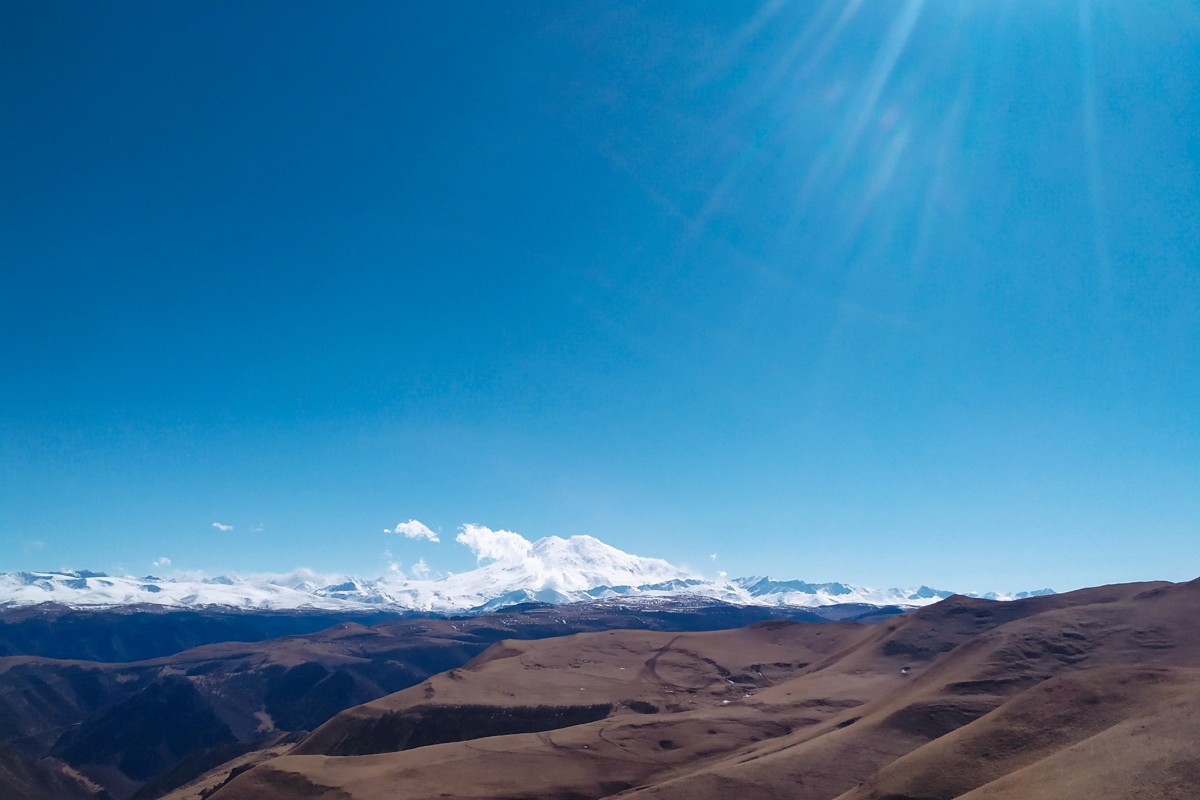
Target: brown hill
point(1073, 712)
point(999, 700)
point(141, 728)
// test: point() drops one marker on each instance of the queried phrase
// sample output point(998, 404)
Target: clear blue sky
point(886, 292)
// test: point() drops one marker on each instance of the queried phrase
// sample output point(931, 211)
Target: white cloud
point(394, 568)
point(161, 561)
point(420, 570)
point(713, 556)
point(413, 529)
point(221, 526)
point(33, 545)
point(491, 545)
point(258, 528)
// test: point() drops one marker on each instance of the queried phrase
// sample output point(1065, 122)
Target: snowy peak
point(552, 569)
point(800, 593)
point(576, 564)
point(88, 589)
point(581, 563)
point(1014, 595)
point(511, 569)
point(761, 587)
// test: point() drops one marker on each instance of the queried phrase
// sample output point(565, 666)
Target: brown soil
point(1091, 694)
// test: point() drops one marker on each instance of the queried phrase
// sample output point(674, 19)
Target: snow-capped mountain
point(512, 570)
point(83, 588)
point(800, 593)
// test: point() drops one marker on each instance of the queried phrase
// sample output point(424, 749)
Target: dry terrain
point(88, 724)
point(1091, 694)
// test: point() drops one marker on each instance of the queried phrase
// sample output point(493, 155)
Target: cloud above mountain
point(555, 564)
point(413, 529)
point(490, 545)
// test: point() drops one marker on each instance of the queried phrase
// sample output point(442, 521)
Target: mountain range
point(550, 570)
point(642, 695)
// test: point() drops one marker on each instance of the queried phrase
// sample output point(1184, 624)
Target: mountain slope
point(1064, 714)
point(140, 728)
point(963, 696)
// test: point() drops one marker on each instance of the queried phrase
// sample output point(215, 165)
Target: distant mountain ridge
point(551, 570)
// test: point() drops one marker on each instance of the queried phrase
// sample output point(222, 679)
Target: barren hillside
point(1088, 694)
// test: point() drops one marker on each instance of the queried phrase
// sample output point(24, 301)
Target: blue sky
point(883, 292)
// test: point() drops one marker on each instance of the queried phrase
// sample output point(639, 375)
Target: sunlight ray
point(802, 43)
point(827, 167)
point(734, 50)
point(881, 71)
point(767, 91)
point(949, 135)
point(827, 42)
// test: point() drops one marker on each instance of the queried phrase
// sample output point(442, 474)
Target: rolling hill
point(1086, 694)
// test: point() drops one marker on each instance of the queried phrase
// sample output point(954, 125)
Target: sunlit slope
point(908, 708)
point(1028, 742)
point(669, 701)
point(953, 679)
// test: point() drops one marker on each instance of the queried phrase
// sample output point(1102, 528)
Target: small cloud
point(712, 556)
point(413, 529)
point(221, 526)
point(420, 570)
point(394, 568)
point(722, 575)
point(161, 561)
point(33, 545)
point(258, 528)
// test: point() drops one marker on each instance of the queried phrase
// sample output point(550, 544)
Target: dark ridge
point(931, 720)
point(434, 724)
point(193, 764)
point(233, 773)
point(641, 706)
point(149, 733)
point(858, 612)
point(985, 686)
point(141, 633)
